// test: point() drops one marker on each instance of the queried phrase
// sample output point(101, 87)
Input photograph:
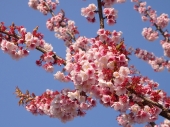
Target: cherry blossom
point(163, 20)
point(149, 34)
point(89, 12)
point(98, 67)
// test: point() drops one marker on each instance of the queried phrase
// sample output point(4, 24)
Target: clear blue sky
point(25, 74)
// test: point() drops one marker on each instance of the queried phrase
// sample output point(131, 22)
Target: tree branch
point(152, 124)
point(100, 11)
point(146, 101)
point(158, 28)
point(41, 49)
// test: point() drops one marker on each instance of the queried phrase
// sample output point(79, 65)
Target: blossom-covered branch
point(18, 46)
point(98, 67)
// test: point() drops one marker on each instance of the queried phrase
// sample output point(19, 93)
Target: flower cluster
point(18, 46)
point(64, 105)
point(61, 77)
point(157, 63)
point(166, 123)
point(55, 21)
point(89, 12)
point(159, 22)
point(43, 6)
point(138, 115)
point(111, 15)
point(41, 104)
point(163, 20)
point(109, 3)
point(121, 1)
point(103, 35)
point(98, 67)
point(65, 29)
point(14, 51)
point(67, 33)
point(150, 34)
point(166, 47)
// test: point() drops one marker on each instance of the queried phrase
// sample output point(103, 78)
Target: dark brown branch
point(152, 124)
point(100, 11)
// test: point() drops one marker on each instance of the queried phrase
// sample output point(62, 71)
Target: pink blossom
point(144, 18)
point(117, 106)
point(124, 71)
point(92, 7)
point(116, 74)
point(33, 3)
point(101, 31)
point(48, 58)
point(157, 64)
point(135, 108)
point(134, 0)
point(125, 120)
point(166, 47)
point(142, 7)
point(48, 67)
point(28, 36)
point(106, 98)
point(120, 90)
point(119, 80)
point(10, 46)
point(149, 34)
point(59, 76)
point(116, 36)
point(109, 3)
point(163, 20)
point(167, 122)
point(50, 25)
point(111, 15)
point(57, 1)
point(142, 4)
point(88, 10)
point(84, 12)
point(110, 11)
point(84, 76)
point(121, 1)
point(111, 22)
point(48, 47)
point(74, 95)
point(43, 9)
point(84, 106)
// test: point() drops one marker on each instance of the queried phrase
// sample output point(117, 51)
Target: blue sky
point(25, 74)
